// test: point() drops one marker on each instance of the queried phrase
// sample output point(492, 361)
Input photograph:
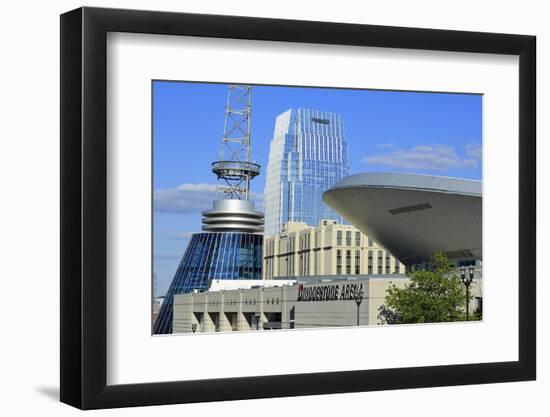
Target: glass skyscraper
point(308, 155)
point(216, 255)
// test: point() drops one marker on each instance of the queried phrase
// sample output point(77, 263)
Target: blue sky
point(389, 131)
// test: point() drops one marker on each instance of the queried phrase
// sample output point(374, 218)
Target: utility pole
point(467, 281)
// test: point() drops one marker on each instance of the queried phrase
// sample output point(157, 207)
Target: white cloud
point(185, 198)
point(167, 256)
point(439, 158)
point(474, 150)
point(175, 235)
point(190, 198)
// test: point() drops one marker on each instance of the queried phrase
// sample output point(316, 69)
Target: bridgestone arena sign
point(330, 292)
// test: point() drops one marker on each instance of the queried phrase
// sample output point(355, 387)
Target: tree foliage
point(435, 294)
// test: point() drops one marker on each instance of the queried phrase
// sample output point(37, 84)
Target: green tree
point(435, 294)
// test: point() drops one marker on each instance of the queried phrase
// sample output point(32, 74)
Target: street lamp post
point(467, 280)
point(358, 301)
point(258, 316)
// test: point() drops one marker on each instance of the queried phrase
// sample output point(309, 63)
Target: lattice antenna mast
point(234, 168)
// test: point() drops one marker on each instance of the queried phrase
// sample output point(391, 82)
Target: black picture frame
point(84, 207)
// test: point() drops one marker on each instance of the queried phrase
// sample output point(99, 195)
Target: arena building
point(410, 216)
point(308, 302)
point(414, 216)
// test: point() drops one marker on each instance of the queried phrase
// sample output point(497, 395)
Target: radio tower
point(233, 210)
point(231, 245)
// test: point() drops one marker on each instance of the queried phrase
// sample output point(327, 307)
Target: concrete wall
point(288, 307)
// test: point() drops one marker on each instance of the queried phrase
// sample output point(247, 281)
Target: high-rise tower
point(231, 245)
point(308, 155)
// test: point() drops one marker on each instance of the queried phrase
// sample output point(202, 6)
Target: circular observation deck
point(234, 170)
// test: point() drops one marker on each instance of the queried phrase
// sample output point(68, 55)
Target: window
point(370, 261)
point(339, 238)
point(380, 258)
point(408, 209)
point(470, 262)
point(348, 262)
point(370, 242)
point(357, 238)
point(315, 260)
point(338, 262)
point(348, 238)
point(320, 121)
point(479, 305)
point(396, 265)
point(387, 263)
point(357, 262)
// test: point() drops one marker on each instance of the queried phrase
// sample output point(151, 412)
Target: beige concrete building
point(328, 249)
point(312, 304)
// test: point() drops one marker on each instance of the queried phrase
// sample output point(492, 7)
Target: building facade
point(328, 249)
point(209, 256)
point(415, 215)
point(308, 155)
point(314, 304)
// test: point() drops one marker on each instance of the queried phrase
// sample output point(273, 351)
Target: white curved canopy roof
point(413, 215)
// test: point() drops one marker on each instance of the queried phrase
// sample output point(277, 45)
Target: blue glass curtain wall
point(308, 155)
point(211, 256)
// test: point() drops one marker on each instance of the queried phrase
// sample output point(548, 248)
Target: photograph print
point(280, 208)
